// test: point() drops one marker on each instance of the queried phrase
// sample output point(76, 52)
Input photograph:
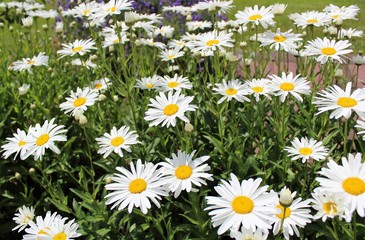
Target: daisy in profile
point(346, 181)
point(170, 54)
point(286, 41)
point(305, 149)
point(212, 41)
point(242, 203)
point(39, 227)
point(249, 234)
point(16, 144)
point(341, 102)
point(148, 83)
point(78, 47)
point(231, 89)
point(296, 215)
point(61, 229)
point(349, 33)
point(136, 188)
point(81, 99)
point(164, 31)
point(177, 83)
point(287, 84)
point(196, 25)
point(164, 110)
point(258, 87)
point(256, 16)
point(312, 18)
point(361, 126)
point(23, 218)
point(325, 49)
point(278, 8)
point(151, 42)
point(113, 7)
point(88, 63)
point(112, 39)
point(28, 63)
point(342, 13)
point(43, 137)
point(328, 205)
point(101, 84)
point(182, 172)
point(220, 6)
point(117, 140)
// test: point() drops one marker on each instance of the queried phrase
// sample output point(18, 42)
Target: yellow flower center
point(330, 208)
point(98, 85)
point(21, 143)
point(170, 56)
point(281, 215)
point(257, 89)
point(287, 86)
point(306, 151)
point(86, 11)
point(112, 9)
point(231, 91)
point(346, 102)
point(172, 84)
point(255, 17)
point(149, 85)
point(279, 38)
point(31, 62)
point(42, 231)
point(137, 186)
point(311, 21)
point(115, 142)
point(77, 49)
point(170, 109)
point(116, 40)
point(213, 42)
point(79, 101)
point(183, 172)
point(242, 205)
point(60, 236)
point(42, 139)
point(328, 51)
point(335, 16)
point(354, 186)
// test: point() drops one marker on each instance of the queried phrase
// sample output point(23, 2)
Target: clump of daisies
point(36, 141)
point(51, 226)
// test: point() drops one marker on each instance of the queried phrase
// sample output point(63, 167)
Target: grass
point(298, 6)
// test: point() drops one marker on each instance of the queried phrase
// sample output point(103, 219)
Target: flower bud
point(82, 120)
point(189, 128)
point(18, 176)
point(115, 98)
point(285, 198)
point(31, 171)
point(101, 97)
point(23, 89)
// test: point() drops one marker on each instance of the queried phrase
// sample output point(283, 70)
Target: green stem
point(354, 226)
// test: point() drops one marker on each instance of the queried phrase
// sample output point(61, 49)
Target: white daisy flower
point(39, 227)
point(311, 18)
point(85, 9)
point(305, 149)
point(101, 84)
point(113, 39)
point(192, 26)
point(169, 55)
point(182, 172)
point(342, 102)
point(249, 234)
point(287, 84)
point(148, 83)
point(328, 205)
point(361, 126)
point(212, 41)
point(346, 181)
point(286, 41)
point(342, 13)
point(43, 137)
point(61, 230)
point(220, 6)
point(244, 203)
point(136, 188)
point(81, 99)
point(177, 83)
point(23, 218)
point(325, 49)
point(150, 42)
point(27, 63)
point(263, 16)
point(278, 8)
point(164, 31)
point(349, 33)
point(174, 43)
point(296, 215)
point(147, 26)
point(78, 47)
point(16, 144)
point(258, 87)
point(116, 141)
point(231, 89)
point(113, 7)
point(164, 110)
point(88, 63)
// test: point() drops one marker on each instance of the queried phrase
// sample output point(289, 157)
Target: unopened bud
point(285, 198)
point(102, 97)
point(115, 98)
point(31, 171)
point(189, 127)
point(82, 120)
point(18, 176)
